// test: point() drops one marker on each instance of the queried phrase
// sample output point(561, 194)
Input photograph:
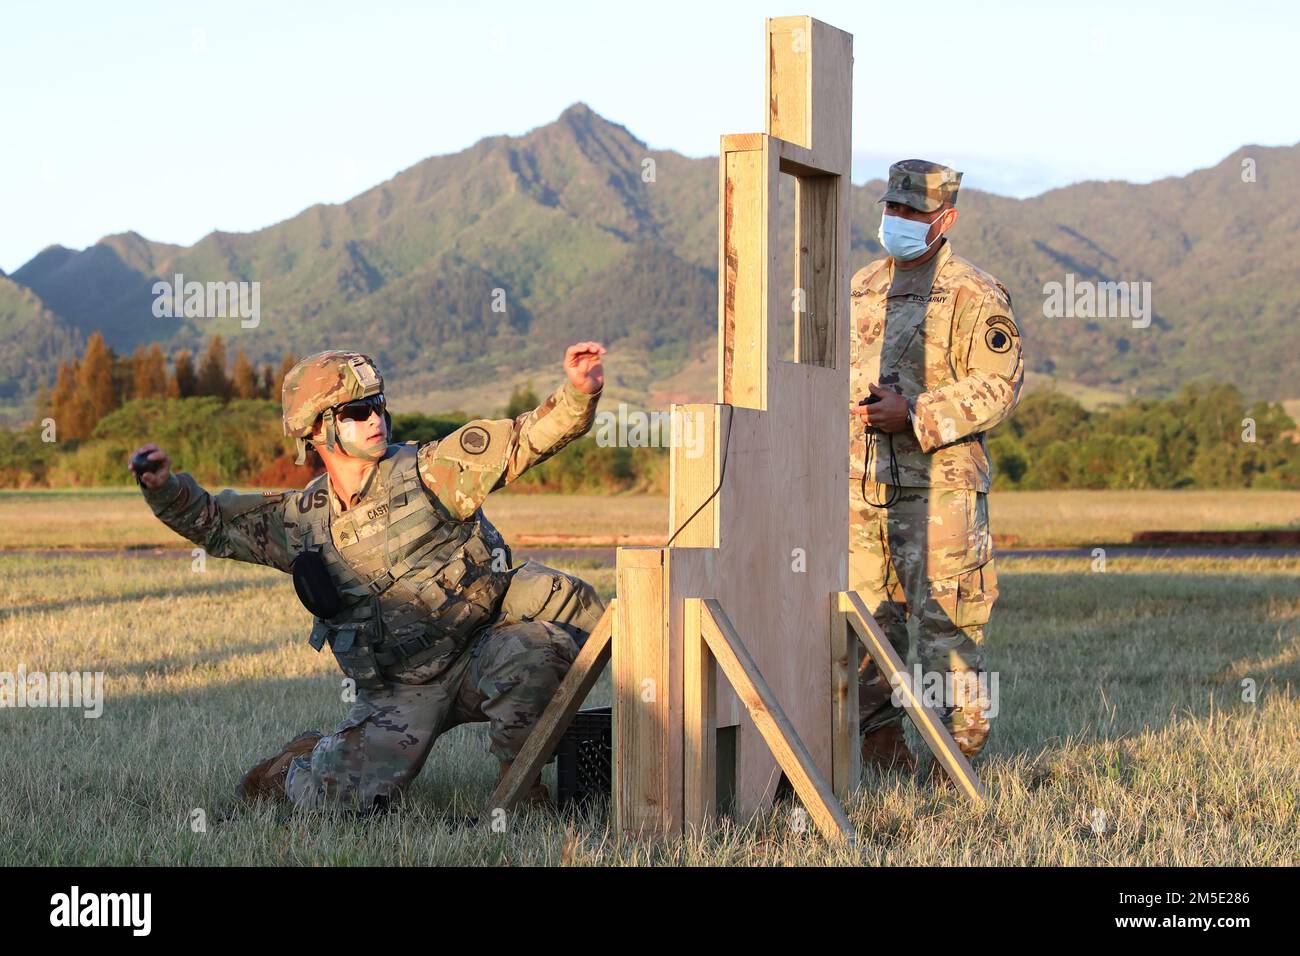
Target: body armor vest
point(411, 576)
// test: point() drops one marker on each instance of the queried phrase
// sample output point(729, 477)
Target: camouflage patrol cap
point(921, 184)
point(322, 381)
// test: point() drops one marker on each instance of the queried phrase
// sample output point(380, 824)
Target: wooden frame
point(853, 614)
point(573, 690)
point(759, 511)
point(753, 586)
point(710, 634)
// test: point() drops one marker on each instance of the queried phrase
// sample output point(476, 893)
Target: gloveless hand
point(583, 366)
point(153, 480)
point(888, 415)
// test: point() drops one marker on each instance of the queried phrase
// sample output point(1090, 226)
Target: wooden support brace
point(573, 690)
point(764, 709)
point(933, 732)
point(846, 749)
point(700, 725)
point(647, 672)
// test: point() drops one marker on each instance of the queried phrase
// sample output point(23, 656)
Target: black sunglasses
point(361, 409)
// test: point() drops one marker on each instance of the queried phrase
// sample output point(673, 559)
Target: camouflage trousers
point(506, 677)
point(928, 556)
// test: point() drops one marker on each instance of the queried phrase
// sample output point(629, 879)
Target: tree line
point(90, 386)
point(223, 425)
point(1206, 436)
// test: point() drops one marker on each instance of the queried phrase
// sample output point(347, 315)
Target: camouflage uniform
point(483, 650)
point(941, 334)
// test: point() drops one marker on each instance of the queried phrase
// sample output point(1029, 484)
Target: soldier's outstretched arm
point(246, 527)
point(484, 455)
point(986, 354)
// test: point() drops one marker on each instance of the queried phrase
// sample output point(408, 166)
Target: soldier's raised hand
point(583, 366)
point(156, 478)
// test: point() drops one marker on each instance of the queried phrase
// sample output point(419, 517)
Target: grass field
point(109, 518)
point(1122, 738)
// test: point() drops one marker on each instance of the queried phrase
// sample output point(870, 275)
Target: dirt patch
point(586, 540)
point(1276, 538)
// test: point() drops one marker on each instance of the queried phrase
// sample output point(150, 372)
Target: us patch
point(475, 440)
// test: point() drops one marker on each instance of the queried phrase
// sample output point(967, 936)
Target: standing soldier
point(935, 363)
point(408, 582)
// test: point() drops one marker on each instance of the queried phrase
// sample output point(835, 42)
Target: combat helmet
point(319, 382)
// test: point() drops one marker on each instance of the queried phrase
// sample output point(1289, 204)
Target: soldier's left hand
point(888, 415)
point(582, 365)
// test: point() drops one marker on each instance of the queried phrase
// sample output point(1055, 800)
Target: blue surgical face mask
point(904, 238)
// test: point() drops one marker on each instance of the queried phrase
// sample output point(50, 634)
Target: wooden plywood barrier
point(759, 502)
point(743, 624)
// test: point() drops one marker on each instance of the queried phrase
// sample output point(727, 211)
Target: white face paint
point(353, 438)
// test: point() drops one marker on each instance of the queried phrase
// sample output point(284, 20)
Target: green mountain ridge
point(471, 271)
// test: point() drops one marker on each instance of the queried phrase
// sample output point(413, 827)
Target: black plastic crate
point(584, 759)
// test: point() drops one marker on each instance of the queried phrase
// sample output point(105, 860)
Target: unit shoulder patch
point(1000, 334)
point(475, 440)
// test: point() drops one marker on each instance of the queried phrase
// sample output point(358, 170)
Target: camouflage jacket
point(460, 470)
point(943, 336)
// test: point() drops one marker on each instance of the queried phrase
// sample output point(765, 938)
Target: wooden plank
point(772, 723)
point(573, 690)
point(742, 276)
point(798, 161)
point(699, 752)
point(694, 572)
point(815, 269)
point(809, 92)
point(789, 87)
point(933, 732)
point(644, 772)
point(785, 518)
point(846, 757)
point(740, 142)
point(693, 475)
point(777, 282)
point(831, 99)
point(691, 482)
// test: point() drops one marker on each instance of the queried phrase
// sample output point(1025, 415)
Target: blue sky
point(174, 119)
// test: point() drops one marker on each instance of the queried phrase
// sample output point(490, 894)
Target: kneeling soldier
point(408, 581)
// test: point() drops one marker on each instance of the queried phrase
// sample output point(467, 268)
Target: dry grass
point(1120, 697)
point(1042, 518)
point(119, 518)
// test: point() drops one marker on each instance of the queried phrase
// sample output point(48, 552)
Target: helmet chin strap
point(369, 452)
point(351, 449)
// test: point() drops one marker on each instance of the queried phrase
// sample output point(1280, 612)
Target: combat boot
point(267, 778)
point(886, 749)
point(936, 776)
point(535, 796)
